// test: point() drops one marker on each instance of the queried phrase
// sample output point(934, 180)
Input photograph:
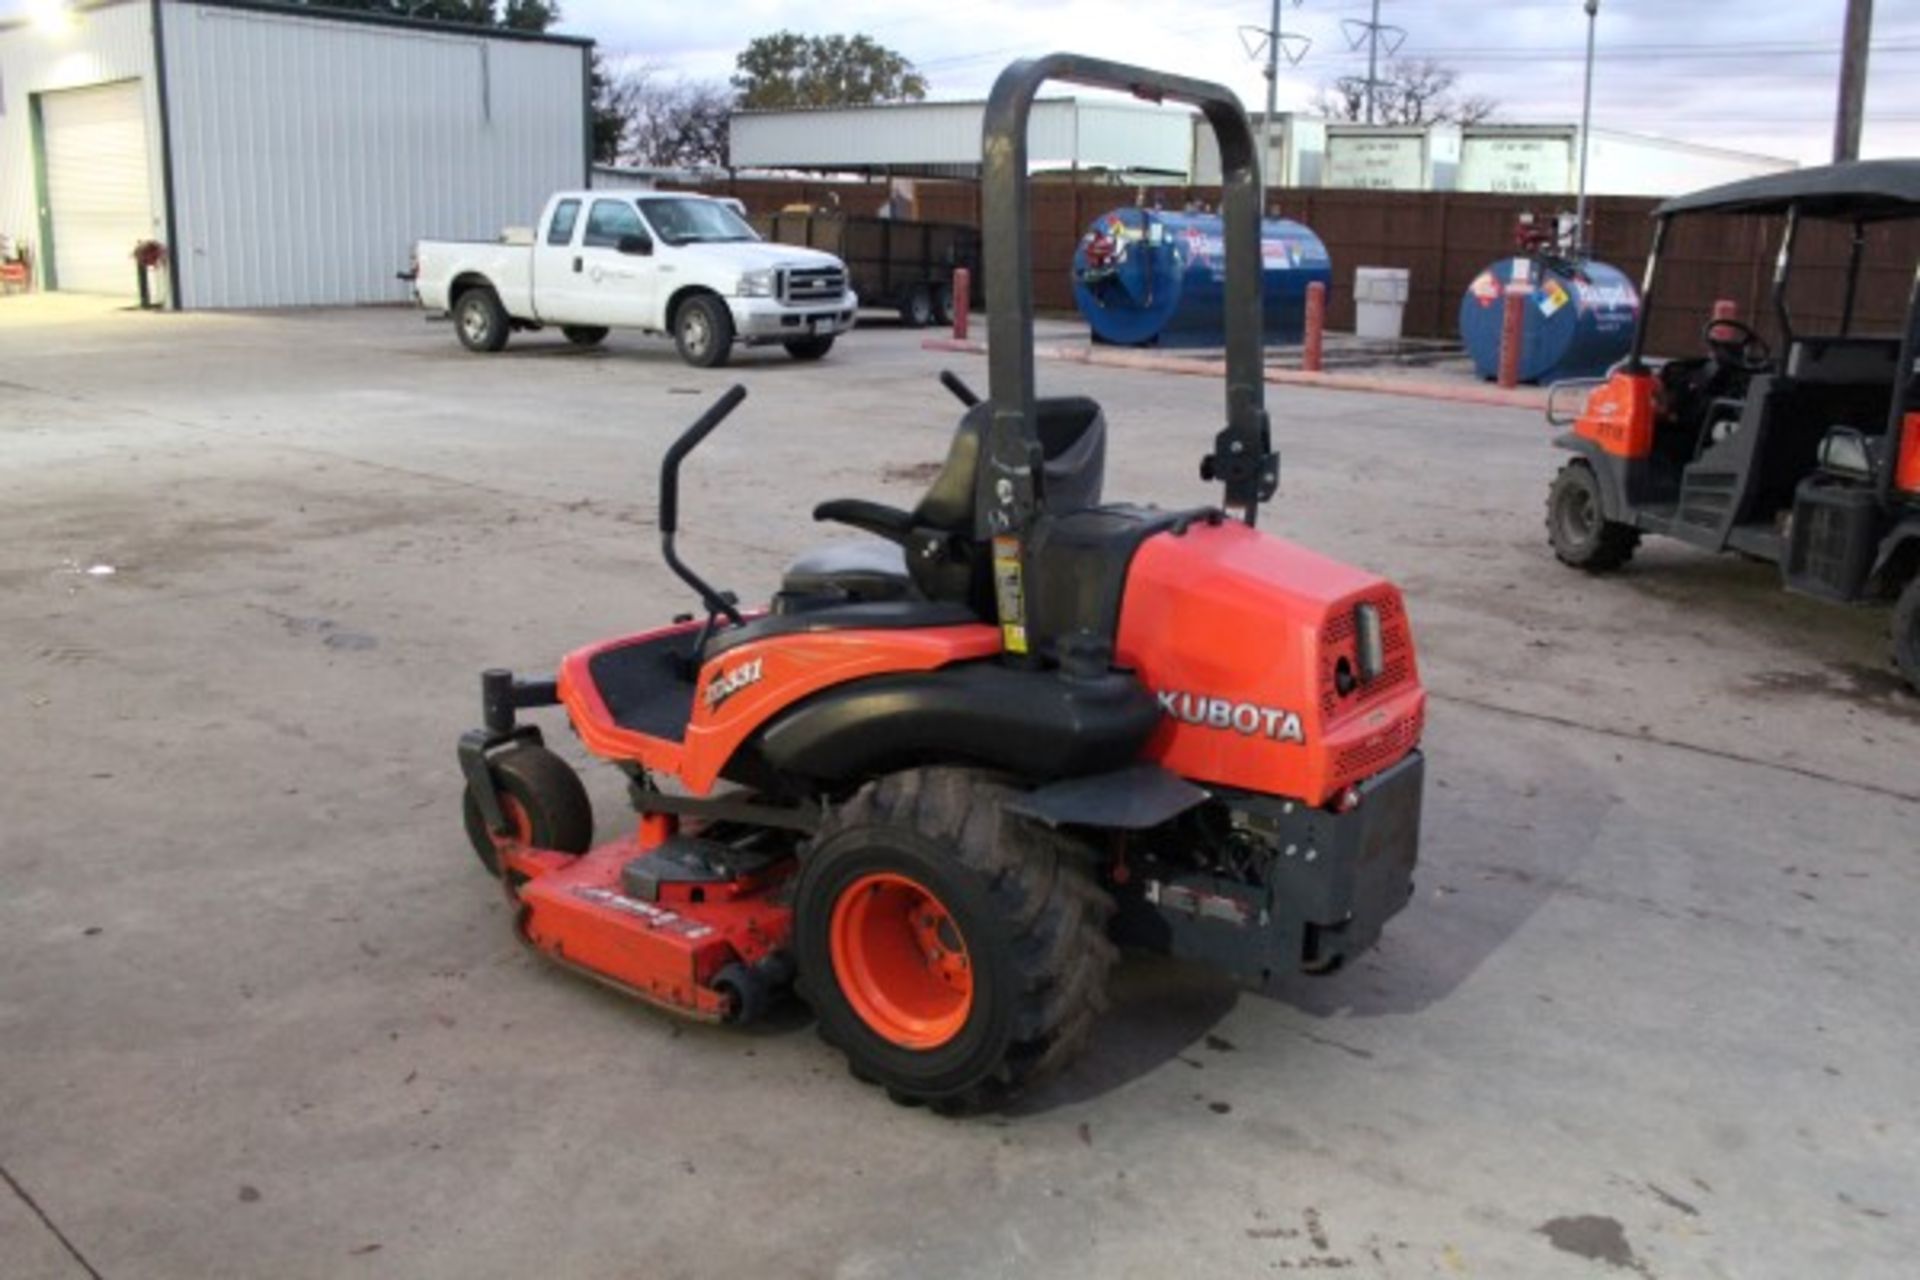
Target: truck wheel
point(703, 331)
point(916, 307)
point(943, 304)
point(584, 335)
point(954, 952)
point(543, 799)
point(1577, 523)
point(1906, 633)
point(809, 348)
point(480, 320)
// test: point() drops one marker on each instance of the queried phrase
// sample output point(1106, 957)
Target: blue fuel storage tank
point(1146, 278)
point(1577, 320)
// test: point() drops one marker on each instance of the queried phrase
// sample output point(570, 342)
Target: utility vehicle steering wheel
point(1745, 350)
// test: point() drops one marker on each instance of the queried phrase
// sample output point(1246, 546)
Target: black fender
point(1608, 468)
point(1038, 725)
point(1899, 557)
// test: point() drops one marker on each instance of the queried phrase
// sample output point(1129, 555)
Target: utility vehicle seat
point(930, 552)
point(1850, 453)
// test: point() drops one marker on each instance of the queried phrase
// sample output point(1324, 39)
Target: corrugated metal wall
point(309, 155)
point(95, 46)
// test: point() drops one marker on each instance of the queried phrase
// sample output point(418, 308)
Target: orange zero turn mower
point(949, 768)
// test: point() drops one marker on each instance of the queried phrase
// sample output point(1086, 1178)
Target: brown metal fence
point(1444, 239)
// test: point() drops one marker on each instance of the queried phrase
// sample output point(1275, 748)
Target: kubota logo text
point(1241, 717)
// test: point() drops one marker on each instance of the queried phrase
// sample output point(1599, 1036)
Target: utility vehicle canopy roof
point(1858, 190)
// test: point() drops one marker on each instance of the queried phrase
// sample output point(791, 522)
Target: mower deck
point(678, 925)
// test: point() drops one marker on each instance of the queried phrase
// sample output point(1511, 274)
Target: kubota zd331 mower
point(946, 770)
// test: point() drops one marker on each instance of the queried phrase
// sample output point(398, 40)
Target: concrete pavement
point(1650, 1012)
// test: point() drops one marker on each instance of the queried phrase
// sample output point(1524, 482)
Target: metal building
point(942, 139)
point(284, 155)
point(1311, 152)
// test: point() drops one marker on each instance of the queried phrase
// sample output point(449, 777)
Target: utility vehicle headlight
point(755, 284)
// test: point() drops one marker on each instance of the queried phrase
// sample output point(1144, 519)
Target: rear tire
point(1577, 523)
point(480, 321)
point(543, 798)
point(809, 348)
point(703, 331)
point(584, 335)
point(955, 953)
point(943, 304)
point(916, 307)
point(1906, 633)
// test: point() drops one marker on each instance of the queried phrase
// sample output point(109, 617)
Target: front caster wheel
point(543, 800)
point(955, 953)
point(1577, 523)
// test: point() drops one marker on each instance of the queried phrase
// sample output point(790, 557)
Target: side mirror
point(639, 246)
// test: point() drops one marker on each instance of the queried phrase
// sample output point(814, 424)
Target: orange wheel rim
point(901, 961)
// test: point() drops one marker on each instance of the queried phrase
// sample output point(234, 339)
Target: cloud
point(1755, 75)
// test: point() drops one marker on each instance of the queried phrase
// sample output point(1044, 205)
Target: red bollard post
point(1315, 349)
point(1510, 336)
point(962, 301)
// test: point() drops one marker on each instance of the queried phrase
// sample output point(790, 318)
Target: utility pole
point(1586, 127)
point(1853, 81)
point(1373, 32)
point(1274, 44)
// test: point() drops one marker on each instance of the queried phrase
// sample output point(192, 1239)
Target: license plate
point(813, 326)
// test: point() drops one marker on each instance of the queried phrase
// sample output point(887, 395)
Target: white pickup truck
point(661, 262)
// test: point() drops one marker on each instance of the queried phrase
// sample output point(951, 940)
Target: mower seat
point(930, 552)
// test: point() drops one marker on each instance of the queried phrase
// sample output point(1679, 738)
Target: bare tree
point(1410, 91)
point(653, 119)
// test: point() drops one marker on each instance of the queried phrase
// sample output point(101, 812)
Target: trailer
point(896, 263)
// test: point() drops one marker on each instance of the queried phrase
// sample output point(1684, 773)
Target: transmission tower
point(1270, 44)
point(1373, 33)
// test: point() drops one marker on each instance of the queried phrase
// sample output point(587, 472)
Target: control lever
point(716, 602)
point(961, 391)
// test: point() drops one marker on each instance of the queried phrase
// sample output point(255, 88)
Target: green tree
point(787, 69)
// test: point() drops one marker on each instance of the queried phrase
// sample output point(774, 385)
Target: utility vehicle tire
point(943, 304)
point(1906, 633)
point(543, 798)
point(1577, 523)
point(916, 307)
point(703, 331)
point(584, 335)
point(809, 348)
point(956, 953)
point(480, 321)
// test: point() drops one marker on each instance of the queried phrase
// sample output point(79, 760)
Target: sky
point(1753, 75)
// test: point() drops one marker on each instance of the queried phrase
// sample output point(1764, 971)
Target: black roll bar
point(1782, 270)
point(1010, 492)
point(1636, 363)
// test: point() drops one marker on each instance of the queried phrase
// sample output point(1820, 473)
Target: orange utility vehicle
point(1808, 458)
point(947, 768)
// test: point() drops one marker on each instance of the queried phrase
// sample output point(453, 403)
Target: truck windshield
point(693, 221)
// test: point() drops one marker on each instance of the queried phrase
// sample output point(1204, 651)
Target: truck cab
point(661, 262)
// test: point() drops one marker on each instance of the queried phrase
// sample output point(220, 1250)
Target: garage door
point(96, 151)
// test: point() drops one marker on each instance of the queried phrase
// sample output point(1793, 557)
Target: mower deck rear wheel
point(542, 796)
point(1578, 526)
point(955, 953)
